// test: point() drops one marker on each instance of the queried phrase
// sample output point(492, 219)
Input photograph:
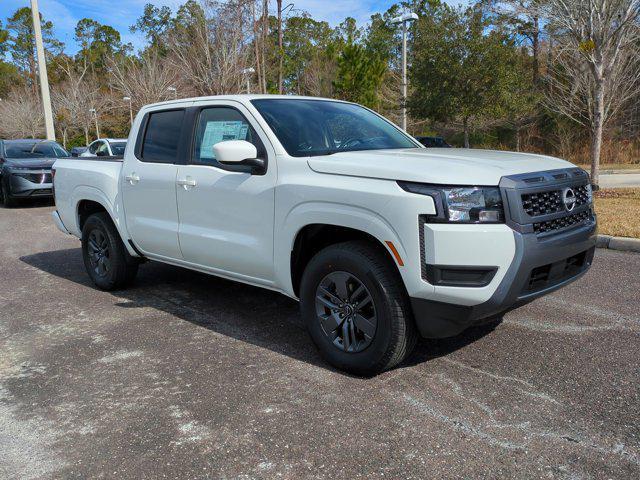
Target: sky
point(121, 14)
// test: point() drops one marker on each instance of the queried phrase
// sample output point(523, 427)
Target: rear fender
point(85, 192)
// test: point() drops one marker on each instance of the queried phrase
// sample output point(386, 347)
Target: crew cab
point(380, 239)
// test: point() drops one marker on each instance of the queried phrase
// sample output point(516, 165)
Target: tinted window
point(94, 147)
point(321, 127)
point(218, 124)
point(117, 148)
point(162, 136)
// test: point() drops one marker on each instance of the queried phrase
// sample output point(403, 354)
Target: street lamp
point(128, 99)
point(404, 19)
point(175, 92)
point(247, 72)
point(95, 116)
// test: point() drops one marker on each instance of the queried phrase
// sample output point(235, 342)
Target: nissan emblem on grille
point(569, 199)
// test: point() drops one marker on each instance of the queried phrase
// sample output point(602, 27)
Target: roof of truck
point(245, 97)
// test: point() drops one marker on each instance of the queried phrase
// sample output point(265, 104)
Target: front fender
point(338, 214)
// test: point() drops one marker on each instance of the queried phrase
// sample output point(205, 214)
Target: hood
point(445, 166)
point(35, 163)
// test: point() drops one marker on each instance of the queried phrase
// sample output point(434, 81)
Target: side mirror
point(234, 151)
point(240, 153)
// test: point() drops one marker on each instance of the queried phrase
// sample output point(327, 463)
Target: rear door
point(149, 183)
point(226, 217)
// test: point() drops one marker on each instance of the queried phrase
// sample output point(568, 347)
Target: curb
point(623, 244)
point(631, 171)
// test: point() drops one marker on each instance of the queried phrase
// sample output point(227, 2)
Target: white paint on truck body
point(243, 227)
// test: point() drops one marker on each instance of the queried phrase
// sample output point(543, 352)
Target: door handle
point(186, 183)
point(132, 179)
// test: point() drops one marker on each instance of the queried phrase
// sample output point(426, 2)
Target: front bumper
point(540, 266)
point(35, 183)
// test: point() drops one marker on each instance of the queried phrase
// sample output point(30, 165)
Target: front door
point(149, 185)
point(226, 217)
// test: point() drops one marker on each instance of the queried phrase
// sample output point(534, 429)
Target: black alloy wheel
point(346, 311)
point(99, 253)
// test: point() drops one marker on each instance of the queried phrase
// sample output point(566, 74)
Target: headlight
point(473, 204)
point(462, 204)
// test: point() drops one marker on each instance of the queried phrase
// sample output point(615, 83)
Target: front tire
point(356, 310)
point(105, 257)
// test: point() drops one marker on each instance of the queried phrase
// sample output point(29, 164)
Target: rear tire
point(325, 304)
point(105, 257)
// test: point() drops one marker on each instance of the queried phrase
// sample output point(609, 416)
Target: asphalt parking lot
point(189, 376)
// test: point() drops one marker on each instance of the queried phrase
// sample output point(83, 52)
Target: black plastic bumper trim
point(440, 320)
point(459, 276)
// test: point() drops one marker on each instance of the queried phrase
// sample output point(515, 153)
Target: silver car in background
point(106, 147)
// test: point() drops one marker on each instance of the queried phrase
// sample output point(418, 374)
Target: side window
point(94, 147)
point(217, 124)
point(161, 138)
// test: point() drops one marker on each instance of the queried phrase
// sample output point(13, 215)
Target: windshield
point(321, 127)
point(117, 148)
point(34, 150)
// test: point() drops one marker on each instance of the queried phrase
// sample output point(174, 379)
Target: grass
point(618, 211)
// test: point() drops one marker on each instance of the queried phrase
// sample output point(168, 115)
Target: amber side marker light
point(393, 249)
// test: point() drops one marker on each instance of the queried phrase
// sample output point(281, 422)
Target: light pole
point(128, 99)
point(42, 72)
point(247, 72)
point(404, 19)
point(175, 92)
point(95, 117)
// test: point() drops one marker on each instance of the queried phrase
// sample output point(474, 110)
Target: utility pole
point(280, 53)
point(404, 19)
point(42, 72)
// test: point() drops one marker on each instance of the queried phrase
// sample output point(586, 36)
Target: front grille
point(36, 177)
point(548, 202)
point(552, 274)
point(562, 222)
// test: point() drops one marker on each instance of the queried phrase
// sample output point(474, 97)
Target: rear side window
point(162, 136)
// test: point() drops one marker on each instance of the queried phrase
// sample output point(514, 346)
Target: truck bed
point(93, 178)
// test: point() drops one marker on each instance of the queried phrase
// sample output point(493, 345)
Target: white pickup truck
point(327, 202)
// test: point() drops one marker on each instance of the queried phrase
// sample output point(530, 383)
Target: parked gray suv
point(25, 168)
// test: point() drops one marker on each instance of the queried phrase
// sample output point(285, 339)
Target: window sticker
point(219, 131)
